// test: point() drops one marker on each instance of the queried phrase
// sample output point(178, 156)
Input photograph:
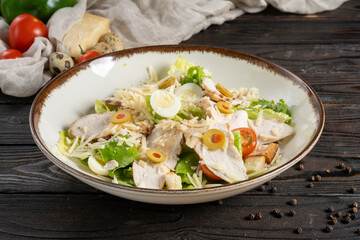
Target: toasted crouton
point(254, 163)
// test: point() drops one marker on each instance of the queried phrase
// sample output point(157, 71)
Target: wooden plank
point(85, 216)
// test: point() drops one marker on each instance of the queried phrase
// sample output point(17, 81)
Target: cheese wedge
point(85, 33)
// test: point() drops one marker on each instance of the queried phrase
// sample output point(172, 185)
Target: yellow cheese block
point(85, 33)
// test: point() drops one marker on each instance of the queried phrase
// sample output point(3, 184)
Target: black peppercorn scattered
point(338, 214)
point(220, 202)
point(312, 178)
point(258, 216)
point(291, 213)
point(317, 178)
point(261, 188)
point(279, 215)
point(275, 211)
point(332, 217)
point(347, 219)
point(353, 216)
point(330, 209)
point(333, 221)
point(300, 167)
point(328, 171)
point(251, 216)
point(352, 190)
point(298, 230)
point(329, 229)
point(268, 183)
point(348, 170)
point(273, 189)
point(293, 202)
point(310, 185)
point(358, 230)
point(341, 165)
point(354, 204)
point(354, 210)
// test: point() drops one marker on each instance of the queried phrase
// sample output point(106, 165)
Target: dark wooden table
point(39, 201)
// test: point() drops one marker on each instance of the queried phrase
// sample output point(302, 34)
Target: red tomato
point(11, 54)
point(88, 55)
point(248, 140)
point(23, 31)
point(208, 172)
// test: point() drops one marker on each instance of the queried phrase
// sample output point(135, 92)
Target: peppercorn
point(332, 217)
point(268, 183)
point(258, 216)
point(330, 209)
point(328, 171)
point(293, 202)
point(329, 229)
point(300, 167)
point(291, 213)
point(347, 219)
point(310, 185)
point(354, 210)
point(317, 178)
point(251, 216)
point(333, 221)
point(354, 204)
point(341, 165)
point(220, 202)
point(312, 178)
point(352, 190)
point(298, 230)
point(275, 211)
point(338, 214)
point(273, 189)
point(358, 230)
point(348, 170)
point(262, 188)
point(353, 216)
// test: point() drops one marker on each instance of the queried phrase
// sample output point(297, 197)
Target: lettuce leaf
point(124, 176)
point(197, 111)
point(180, 66)
point(194, 75)
point(237, 141)
point(123, 154)
point(185, 164)
point(277, 107)
point(101, 107)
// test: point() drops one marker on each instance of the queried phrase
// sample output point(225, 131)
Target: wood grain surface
point(39, 201)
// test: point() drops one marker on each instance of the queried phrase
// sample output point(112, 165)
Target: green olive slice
point(120, 116)
point(224, 91)
point(156, 155)
point(224, 107)
point(214, 139)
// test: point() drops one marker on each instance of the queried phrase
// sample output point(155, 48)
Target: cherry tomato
point(11, 54)
point(248, 140)
point(88, 55)
point(23, 31)
point(208, 172)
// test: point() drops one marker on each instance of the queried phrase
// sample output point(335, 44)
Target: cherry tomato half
point(208, 172)
point(11, 54)
point(248, 140)
point(88, 55)
point(23, 31)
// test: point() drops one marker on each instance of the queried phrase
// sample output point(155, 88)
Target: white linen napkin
point(139, 23)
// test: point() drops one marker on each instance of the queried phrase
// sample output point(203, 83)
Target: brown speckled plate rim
point(41, 97)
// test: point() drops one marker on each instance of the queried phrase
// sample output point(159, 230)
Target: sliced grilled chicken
point(92, 125)
point(168, 141)
point(225, 162)
point(239, 119)
point(147, 174)
point(270, 130)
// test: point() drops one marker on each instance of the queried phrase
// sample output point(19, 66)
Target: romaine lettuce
point(194, 75)
point(187, 164)
point(124, 176)
point(180, 66)
point(101, 107)
point(237, 141)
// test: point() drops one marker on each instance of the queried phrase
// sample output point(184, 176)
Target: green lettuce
point(237, 141)
point(277, 107)
point(194, 75)
point(124, 176)
point(181, 65)
point(123, 154)
point(187, 161)
point(101, 107)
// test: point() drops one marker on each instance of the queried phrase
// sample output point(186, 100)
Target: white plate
point(73, 93)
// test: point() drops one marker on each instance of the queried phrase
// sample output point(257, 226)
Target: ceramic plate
point(73, 93)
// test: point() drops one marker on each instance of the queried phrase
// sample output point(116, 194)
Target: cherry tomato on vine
point(88, 55)
point(23, 31)
point(10, 54)
point(248, 140)
point(208, 172)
